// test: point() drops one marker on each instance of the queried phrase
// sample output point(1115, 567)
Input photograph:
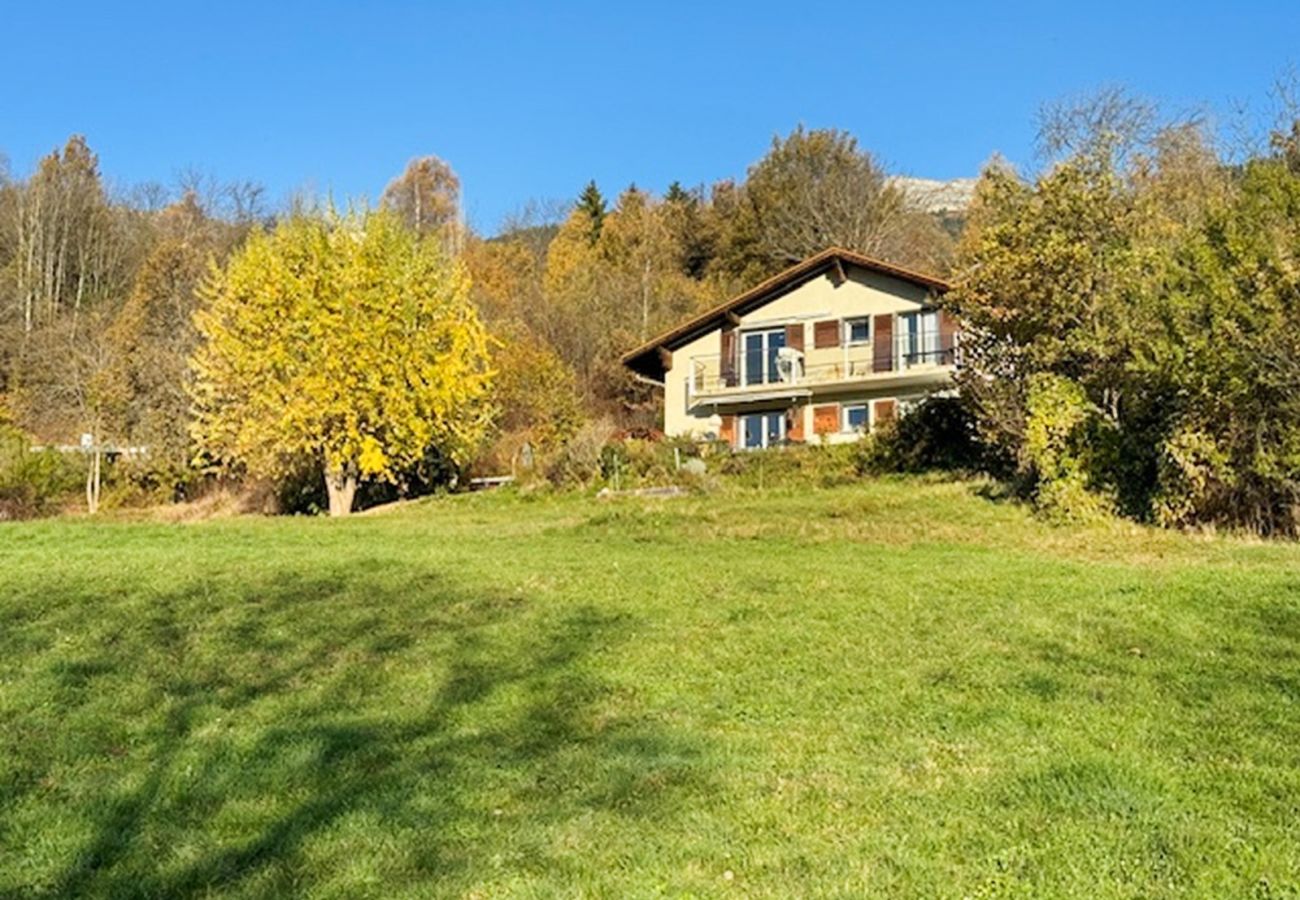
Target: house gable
point(838, 280)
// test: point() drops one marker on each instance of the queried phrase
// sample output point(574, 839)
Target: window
point(856, 418)
point(918, 340)
point(759, 430)
point(857, 331)
point(758, 364)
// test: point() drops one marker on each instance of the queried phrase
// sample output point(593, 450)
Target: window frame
point(848, 331)
point(918, 346)
point(846, 408)
point(764, 418)
point(771, 373)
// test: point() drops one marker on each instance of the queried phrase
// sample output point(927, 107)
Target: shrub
point(581, 460)
point(1061, 429)
point(33, 482)
point(937, 434)
point(824, 465)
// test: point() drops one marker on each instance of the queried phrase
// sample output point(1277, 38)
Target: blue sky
point(530, 101)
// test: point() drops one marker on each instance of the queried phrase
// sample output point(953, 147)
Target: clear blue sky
point(530, 102)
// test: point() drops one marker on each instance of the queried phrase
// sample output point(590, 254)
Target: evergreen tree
point(591, 203)
point(678, 195)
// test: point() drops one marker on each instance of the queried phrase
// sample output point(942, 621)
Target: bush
point(33, 483)
point(823, 465)
point(937, 434)
point(581, 460)
point(1062, 430)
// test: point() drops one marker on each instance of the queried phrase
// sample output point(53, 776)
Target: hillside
point(897, 688)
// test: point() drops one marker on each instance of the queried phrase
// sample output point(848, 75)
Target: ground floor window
point(759, 430)
point(856, 417)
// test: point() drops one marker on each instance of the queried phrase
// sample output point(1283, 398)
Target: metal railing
point(709, 374)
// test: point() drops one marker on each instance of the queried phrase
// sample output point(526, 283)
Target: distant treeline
point(1130, 309)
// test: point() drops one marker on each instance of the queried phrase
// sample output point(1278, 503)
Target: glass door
point(758, 365)
point(919, 341)
point(758, 430)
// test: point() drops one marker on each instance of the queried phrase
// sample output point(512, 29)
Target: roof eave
point(761, 293)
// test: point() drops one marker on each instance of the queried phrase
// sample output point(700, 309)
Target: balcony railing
point(775, 368)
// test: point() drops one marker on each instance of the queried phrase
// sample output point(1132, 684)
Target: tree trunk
point(93, 482)
point(341, 485)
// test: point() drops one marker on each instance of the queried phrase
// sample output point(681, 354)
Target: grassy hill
point(898, 688)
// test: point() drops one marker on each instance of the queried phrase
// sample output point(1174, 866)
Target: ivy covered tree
point(345, 340)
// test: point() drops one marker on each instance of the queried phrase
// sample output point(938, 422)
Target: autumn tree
point(816, 189)
point(154, 337)
point(343, 339)
point(426, 196)
point(66, 251)
point(1130, 318)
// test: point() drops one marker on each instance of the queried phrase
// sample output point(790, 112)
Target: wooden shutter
point(727, 357)
point(826, 333)
point(947, 338)
point(794, 423)
point(883, 348)
point(826, 418)
point(727, 432)
point(886, 411)
point(794, 336)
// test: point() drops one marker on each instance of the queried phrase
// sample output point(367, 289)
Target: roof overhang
point(653, 359)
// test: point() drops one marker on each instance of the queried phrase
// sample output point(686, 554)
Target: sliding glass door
point(918, 343)
point(758, 430)
point(758, 365)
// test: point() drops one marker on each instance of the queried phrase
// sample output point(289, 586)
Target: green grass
point(898, 688)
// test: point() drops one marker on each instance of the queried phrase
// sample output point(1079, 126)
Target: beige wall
point(863, 293)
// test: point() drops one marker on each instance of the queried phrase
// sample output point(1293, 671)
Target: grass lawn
point(897, 688)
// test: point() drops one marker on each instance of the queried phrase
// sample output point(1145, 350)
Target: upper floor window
point(918, 339)
point(857, 331)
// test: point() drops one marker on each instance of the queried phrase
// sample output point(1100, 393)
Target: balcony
point(916, 359)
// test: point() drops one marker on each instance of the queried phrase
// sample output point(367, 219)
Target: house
point(826, 349)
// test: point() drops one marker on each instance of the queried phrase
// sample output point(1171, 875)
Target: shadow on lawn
point(317, 725)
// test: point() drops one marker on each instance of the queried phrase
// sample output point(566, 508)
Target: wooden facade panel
point(947, 338)
point(882, 353)
point(794, 336)
point(727, 355)
point(727, 432)
point(826, 418)
point(794, 423)
point(885, 411)
point(826, 333)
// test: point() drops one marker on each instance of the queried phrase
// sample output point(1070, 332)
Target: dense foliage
point(1131, 320)
point(344, 340)
point(1132, 324)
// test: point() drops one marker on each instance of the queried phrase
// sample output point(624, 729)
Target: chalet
point(825, 350)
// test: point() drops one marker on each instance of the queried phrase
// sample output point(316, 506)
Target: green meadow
point(900, 688)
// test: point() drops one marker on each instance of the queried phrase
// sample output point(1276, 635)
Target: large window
point(758, 363)
point(759, 430)
point(918, 339)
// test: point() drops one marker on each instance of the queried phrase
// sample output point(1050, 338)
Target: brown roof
point(645, 359)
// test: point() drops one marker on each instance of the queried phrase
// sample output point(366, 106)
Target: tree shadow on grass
point(363, 734)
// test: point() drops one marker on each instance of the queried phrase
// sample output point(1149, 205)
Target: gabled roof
point(648, 360)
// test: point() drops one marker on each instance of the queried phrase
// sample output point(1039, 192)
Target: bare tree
point(817, 189)
point(1109, 124)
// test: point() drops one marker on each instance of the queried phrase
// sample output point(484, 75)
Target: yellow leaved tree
point(345, 339)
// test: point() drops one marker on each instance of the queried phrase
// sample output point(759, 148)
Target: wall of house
point(861, 293)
